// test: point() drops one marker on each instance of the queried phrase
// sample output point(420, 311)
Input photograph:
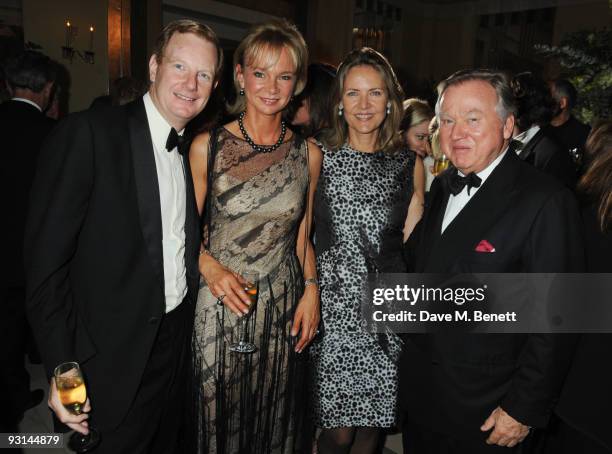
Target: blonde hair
point(262, 46)
point(416, 111)
point(389, 138)
point(434, 138)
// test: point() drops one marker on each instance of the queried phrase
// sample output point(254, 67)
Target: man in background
point(564, 127)
point(30, 78)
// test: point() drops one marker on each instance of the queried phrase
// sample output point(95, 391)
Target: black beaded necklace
point(261, 148)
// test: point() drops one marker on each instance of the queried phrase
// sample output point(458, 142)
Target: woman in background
point(310, 109)
point(414, 128)
point(255, 180)
point(361, 209)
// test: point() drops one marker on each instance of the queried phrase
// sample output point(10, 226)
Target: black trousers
point(155, 420)
point(14, 378)
point(420, 440)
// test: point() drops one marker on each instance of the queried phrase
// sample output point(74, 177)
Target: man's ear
point(508, 127)
point(239, 75)
point(563, 103)
point(153, 65)
point(47, 91)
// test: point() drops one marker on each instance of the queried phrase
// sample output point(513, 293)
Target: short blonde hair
point(263, 45)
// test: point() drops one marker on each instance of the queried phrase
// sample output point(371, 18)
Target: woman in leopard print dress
point(361, 208)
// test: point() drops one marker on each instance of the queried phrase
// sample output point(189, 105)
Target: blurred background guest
point(531, 139)
point(126, 89)
point(564, 127)
point(30, 77)
point(122, 91)
point(414, 129)
point(361, 212)
point(310, 109)
point(586, 399)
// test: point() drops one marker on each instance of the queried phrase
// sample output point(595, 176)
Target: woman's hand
point(225, 285)
point(307, 316)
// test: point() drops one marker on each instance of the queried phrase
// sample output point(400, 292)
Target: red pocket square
point(484, 246)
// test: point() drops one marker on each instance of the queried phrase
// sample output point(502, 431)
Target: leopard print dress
point(361, 205)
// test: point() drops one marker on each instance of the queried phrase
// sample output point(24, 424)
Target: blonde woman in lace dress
point(260, 179)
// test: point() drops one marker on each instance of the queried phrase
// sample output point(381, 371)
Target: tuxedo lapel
point(464, 233)
point(147, 186)
point(528, 148)
point(192, 226)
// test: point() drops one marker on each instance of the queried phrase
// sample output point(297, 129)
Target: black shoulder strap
point(210, 167)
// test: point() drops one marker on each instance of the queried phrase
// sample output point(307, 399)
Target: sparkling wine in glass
point(251, 288)
point(73, 395)
point(440, 165)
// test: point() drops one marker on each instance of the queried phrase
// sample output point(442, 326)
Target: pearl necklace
point(261, 148)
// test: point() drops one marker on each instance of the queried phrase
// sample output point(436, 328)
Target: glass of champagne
point(440, 165)
point(251, 287)
point(73, 395)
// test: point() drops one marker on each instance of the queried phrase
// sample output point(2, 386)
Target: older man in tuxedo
point(111, 249)
point(492, 213)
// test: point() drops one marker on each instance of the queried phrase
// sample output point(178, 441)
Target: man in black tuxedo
point(533, 141)
point(111, 249)
point(470, 393)
point(30, 76)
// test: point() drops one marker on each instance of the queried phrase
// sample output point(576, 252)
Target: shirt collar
point(527, 135)
point(158, 125)
point(27, 101)
point(484, 173)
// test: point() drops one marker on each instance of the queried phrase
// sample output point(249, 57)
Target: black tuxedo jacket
point(23, 128)
point(93, 252)
point(449, 381)
point(545, 153)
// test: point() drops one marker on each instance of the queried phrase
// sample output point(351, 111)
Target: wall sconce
point(68, 51)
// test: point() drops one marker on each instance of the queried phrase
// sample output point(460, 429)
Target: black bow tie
point(176, 141)
point(516, 145)
point(456, 182)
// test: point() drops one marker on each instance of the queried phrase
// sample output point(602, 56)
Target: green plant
point(586, 60)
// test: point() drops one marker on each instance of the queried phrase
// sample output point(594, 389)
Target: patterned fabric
point(361, 206)
point(250, 403)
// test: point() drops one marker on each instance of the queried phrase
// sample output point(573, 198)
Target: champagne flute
point(73, 395)
point(440, 165)
point(251, 287)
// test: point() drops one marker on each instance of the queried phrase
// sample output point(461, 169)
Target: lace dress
point(253, 403)
point(361, 204)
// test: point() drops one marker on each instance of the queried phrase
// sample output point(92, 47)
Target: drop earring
point(388, 107)
point(340, 109)
point(242, 92)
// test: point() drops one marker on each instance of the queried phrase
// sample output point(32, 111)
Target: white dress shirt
point(27, 101)
point(172, 195)
point(456, 203)
point(525, 136)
